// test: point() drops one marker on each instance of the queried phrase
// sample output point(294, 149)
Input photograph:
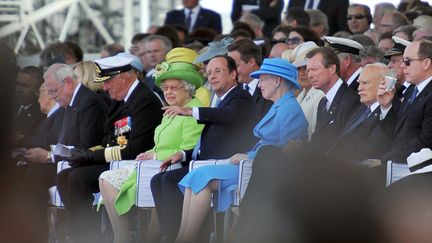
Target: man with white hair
point(84, 112)
point(134, 114)
point(348, 52)
point(367, 135)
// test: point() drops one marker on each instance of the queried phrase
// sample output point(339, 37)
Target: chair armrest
point(245, 173)
point(194, 164)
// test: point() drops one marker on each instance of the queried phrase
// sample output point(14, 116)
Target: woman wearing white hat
point(308, 97)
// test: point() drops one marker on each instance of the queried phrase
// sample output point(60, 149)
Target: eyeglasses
point(217, 71)
point(265, 78)
point(52, 92)
point(172, 88)
point(357, 16)
point(408, 61)
point(293, 41)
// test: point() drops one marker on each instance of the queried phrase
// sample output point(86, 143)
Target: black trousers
point(76, 187)
point(32, 191)
point(168, 199)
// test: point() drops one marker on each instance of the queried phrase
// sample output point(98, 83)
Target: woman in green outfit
point(178, 81)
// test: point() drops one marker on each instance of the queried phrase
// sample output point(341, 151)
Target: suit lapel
point(326, 117)
point(229, 95)
point(373, 117)
point(409, 108)
point(199, 19)
point(257, 94)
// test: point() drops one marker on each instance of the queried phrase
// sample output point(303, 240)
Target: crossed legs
point(120, 224)
point(195, 209)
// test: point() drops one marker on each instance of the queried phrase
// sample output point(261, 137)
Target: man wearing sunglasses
point(359, 18)
point(413, 128)
point(395, 57)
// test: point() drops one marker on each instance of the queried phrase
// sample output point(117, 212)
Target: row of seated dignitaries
point(99, 134)
point(345, 122)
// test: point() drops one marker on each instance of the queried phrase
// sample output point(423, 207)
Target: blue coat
point(284, 121)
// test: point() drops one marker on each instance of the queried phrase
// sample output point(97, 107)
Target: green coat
point(172, 135)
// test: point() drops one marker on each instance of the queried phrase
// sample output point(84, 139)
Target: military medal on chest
point(121, 127)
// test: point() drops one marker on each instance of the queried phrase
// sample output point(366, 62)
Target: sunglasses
point(293, 41)
point(357, 16)
point(408, 61)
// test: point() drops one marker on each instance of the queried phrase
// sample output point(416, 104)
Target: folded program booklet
point(62, 150)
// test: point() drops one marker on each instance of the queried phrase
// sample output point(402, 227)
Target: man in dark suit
point(28, 117)
point(340, 101)
point(153, 48)
point(230, 122)
point(336, 11)
point(47, 133)
point(83, 114)
point(268, 11)
point(413, 130)
point(194, 16)
point(368, 134)
point(348, 52)
point(128, 130)
point(248, 59)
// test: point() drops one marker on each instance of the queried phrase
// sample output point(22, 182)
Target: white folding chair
point(223, 222)
point(395, 172)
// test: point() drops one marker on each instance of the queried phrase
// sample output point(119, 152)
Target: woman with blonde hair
point(86, 73)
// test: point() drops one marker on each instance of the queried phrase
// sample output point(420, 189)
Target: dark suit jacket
point(330, 123)
point(270, 15)
point(82, 122)
point(413, 130)
point(354, 84)
point(150, 82)
point(47, 133)
point(228, 128)
point(145, 111)
point(206, 18)
point(366, 140)
point(29, 120)
point(336, 11)
point(262, 105)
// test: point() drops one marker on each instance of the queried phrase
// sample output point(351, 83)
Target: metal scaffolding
point(90, 23)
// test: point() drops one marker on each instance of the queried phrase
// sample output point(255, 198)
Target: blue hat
point(278, 67)
point(215, 48)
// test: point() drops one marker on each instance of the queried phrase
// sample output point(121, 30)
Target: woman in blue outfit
point(283, 123)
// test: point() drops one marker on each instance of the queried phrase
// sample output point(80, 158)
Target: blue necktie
point(188, 20)
point(413, 96)
point(218, 101)
point(359, 120)
point(246, 87)
point(310, 4)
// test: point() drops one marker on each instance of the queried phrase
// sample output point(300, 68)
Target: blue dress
point(285, 121)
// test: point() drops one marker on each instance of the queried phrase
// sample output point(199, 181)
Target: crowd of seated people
point(319, 106)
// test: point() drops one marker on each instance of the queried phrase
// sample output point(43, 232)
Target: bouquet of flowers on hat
point(160, 69)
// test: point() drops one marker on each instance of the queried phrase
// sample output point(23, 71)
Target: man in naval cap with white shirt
point(132, 119)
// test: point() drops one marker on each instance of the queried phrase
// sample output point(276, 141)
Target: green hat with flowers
point(178, 70)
